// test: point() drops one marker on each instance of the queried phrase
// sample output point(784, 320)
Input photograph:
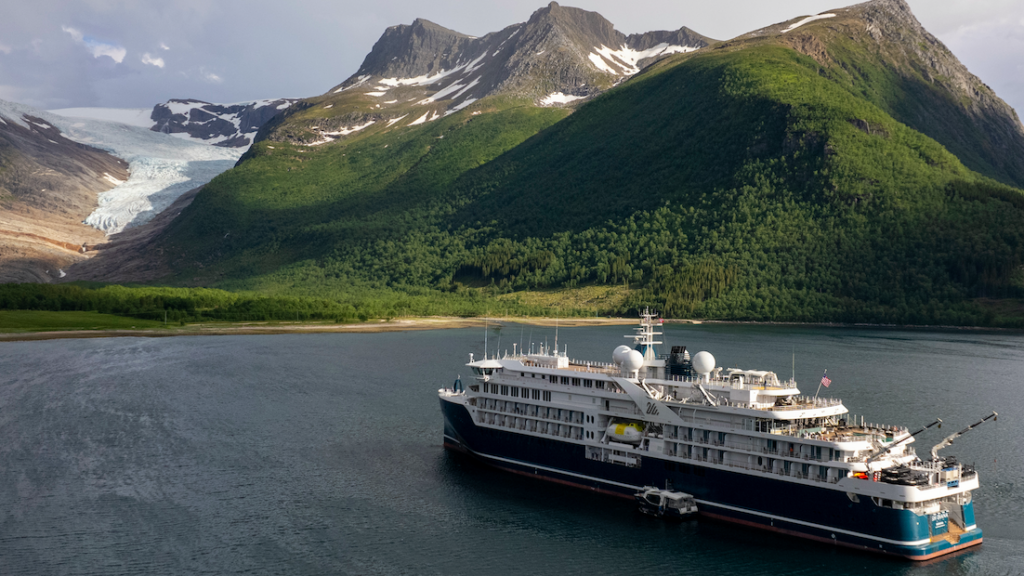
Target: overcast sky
point(136, 53)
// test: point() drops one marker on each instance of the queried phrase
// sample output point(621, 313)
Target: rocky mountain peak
point(580, 26)
point(914, 77)
point(413, 50)
point(420, 72)
point(226, 125)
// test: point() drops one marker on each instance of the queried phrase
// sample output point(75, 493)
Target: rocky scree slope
point(421, 72)
point(48, 186)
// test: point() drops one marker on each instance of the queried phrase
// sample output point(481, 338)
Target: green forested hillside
point(743, 183)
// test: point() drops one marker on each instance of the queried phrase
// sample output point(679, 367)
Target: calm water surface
point(321, 454)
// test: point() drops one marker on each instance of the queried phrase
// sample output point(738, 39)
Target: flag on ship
point(825, 380)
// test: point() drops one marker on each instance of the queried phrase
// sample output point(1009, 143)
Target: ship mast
point(644, 337)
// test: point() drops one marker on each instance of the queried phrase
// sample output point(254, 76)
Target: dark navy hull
point(817, 513)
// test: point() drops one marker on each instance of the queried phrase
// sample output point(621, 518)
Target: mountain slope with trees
point(789, 174)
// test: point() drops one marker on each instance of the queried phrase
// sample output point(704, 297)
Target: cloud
point(164, 46)
point(75, 34)
point(5, 48)
point(147, 58)
point(210, 76)
point(97, 47)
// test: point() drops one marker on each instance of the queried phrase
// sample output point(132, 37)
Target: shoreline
point(249, 329)
point(426, 323)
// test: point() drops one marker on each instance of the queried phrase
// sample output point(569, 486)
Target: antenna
point(485, 337)
point(556, 334)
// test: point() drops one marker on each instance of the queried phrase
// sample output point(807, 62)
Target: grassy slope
point(39, 320)
point(293, 204)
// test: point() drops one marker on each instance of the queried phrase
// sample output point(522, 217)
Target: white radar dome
point(634, 361)
point(619, 355)
point(703, 362)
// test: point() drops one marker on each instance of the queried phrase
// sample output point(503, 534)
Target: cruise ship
point(749, 447)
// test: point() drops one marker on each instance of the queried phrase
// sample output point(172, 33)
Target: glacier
point(161, 167)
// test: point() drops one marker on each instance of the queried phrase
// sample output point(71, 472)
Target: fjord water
point(321, 454)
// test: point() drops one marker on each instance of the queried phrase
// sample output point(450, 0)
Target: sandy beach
point(394, 325)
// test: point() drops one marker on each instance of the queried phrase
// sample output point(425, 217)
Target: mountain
point(226, 125)
point(880, 50)
point(68, 182)
point(55, 164)
point(836, 167)
point(48, 186)
point(421, 72)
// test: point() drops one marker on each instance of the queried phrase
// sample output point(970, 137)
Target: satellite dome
point(703, 362)
point(633, 361)
point(619, 355)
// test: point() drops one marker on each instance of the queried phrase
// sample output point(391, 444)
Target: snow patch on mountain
point(16, 112)
point(428, 117)
point(327, 137)
point(359, 82)
point(458, 107)
point(558, 98)
point(428, 79)
point(627, 59)
point(807, 20)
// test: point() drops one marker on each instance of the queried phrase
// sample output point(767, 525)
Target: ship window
point(522, 374)
point(554, 379)
point(504, 390)
point(599, 384)
point(547, 396)
point(575, 381)
point(565, 379)
point(515, 392)
point(587, 383)
point(535, 394)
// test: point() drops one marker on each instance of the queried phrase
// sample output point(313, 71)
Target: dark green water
point(321, 454)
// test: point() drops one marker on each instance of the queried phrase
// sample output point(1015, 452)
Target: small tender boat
point(663, 503)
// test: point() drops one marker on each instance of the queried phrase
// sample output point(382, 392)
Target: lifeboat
point(626, 432)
